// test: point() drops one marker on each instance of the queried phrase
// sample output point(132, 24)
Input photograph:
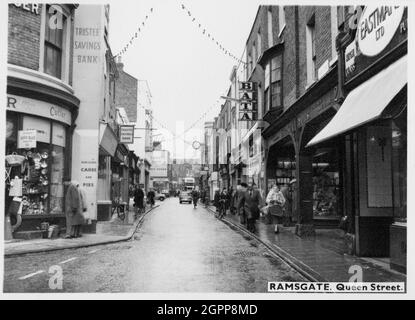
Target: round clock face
point(196, 145)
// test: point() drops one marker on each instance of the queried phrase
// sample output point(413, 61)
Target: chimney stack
point(120, 65)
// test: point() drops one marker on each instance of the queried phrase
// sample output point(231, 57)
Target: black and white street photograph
point(205, 147)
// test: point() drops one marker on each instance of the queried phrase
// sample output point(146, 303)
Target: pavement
point(319, 258)
point(107, 232)
point(176, 249)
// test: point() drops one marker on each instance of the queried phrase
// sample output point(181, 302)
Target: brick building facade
point(126, 92)
point(307, 65)
point(41, 100)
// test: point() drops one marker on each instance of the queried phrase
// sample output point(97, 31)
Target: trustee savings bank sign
point(376, 28)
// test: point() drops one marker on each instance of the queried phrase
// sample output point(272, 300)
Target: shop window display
point(285, 172)
point(104, 178)
point(57, 188)
point(39, 173)
point(326, 184)
point(35, 173)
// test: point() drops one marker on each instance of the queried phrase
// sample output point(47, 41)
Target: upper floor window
point(343, 13)
point(311, 51)
point(54, 41)
point(276, 83)
point(266, 86)
point(269, 22)
point(273, 84)
point(281, 19)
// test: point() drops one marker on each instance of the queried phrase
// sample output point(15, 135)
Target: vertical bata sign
point(247, 100)
point(377, 27)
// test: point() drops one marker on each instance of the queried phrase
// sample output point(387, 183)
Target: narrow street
point(177, 249)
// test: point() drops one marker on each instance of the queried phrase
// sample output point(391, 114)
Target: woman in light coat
point(274, 198)
point(74, 209)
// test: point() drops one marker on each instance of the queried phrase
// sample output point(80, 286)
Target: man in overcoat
point(249, 203)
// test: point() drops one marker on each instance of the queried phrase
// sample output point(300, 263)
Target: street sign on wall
point(127, 134)
point(26, 139)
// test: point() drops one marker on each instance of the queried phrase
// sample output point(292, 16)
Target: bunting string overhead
point(193, 125)
point(175, 137)
point(210, 36)
point(150, 114)
point(136, 34)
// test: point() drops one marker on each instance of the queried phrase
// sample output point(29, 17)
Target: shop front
point(108, 143)
point(377, 150)
point(372, 125)
point(133, 172)
point(38, 155)
point(312, 176)
point(120, 177)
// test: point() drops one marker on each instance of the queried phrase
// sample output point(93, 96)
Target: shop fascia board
point(41, 86)
point(318, 89)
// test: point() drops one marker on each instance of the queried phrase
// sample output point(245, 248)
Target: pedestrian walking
point(150, 196)
point(250, 202)
point(223, 203)
point(231, 200)
point(216, 199)
point(293, 187)
point(240, 189)
point(287, 206)
point(275, 201)
point(79, 219)
point(195, 197)
point(138, 199)
point(203, 196)
point(73, 210)
point(71, 205)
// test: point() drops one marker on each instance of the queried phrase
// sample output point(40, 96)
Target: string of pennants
point(207, 34)
point(193, 125)
point(164, 127)
point(160, 123)
point(135, 34)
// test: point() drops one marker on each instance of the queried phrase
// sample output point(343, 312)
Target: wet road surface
point(177, 249)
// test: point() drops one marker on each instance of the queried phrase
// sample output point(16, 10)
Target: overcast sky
point(187, 73)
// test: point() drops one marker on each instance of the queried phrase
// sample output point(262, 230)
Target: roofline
point(253, 24)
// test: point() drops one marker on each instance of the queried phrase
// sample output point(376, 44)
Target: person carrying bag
point(275, 203)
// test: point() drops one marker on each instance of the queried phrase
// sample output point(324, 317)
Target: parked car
point(160, 196)
point(185, 196)
point(166, 193)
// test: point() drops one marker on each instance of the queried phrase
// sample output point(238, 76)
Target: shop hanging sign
point(247, 100)
point(26, 139)
point(376, 28)
point(350, 55)
point(126, 134)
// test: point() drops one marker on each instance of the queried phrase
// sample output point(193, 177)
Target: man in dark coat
point(151, 195)
point(138, 199)
point(231, 200)
point(216, 199)
point(195, 197)
point(249, 202)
